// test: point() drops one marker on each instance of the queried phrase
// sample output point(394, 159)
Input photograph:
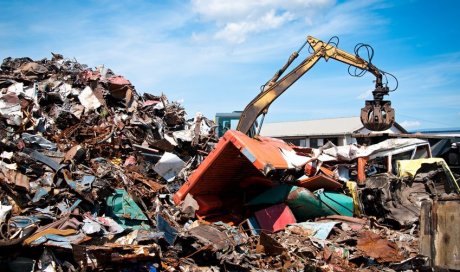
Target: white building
point(315, 133)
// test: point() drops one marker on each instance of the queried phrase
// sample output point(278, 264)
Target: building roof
point(320, 127)
point(452, 131)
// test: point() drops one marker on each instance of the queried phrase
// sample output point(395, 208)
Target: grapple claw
point(377, 115)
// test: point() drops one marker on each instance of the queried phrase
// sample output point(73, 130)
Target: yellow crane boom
point(377, 115)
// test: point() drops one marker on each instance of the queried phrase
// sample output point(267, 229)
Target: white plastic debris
point(91, 227)
point(7, 155)
point(4, 211)
point(183, 135)
point(10, 109)
point(10, 166)
point(64, 90)
point(16, 88)
point(28, 92)
point(169, 166)
point(292, 159)
point(88, 99)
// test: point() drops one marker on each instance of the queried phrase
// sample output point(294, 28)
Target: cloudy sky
point(213, 55)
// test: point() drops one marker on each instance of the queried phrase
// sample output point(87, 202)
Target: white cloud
point(410, 124)
point(223, 11)
point(238, 19)
point(236, 32)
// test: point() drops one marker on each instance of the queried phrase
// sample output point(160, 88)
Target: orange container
point(237, 162)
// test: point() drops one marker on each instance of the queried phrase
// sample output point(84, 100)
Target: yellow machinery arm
point(376, 115)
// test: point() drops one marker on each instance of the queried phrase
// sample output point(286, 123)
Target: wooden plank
point(447, 235)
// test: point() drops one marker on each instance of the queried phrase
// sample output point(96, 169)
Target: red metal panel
point(237, 159)
point(275, 218)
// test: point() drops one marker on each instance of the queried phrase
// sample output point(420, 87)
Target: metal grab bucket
point(377, 115)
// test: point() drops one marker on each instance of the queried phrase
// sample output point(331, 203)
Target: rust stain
point(382, 250)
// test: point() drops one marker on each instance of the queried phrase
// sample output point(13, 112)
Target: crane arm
point(375, 119)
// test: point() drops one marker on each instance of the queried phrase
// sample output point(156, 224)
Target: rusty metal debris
point(96, 177)
point(382, 250)
point(87, 165)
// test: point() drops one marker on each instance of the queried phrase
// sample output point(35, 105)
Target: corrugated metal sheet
point(320, 127)
point(334, 126)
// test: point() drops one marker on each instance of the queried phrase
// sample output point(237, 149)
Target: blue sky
point(213, 55)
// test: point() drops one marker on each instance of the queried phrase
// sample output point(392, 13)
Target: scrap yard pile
point(96, 177)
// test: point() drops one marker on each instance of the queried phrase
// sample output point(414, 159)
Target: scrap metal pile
point(95, 177)
point(336, 208)
point(86, 165)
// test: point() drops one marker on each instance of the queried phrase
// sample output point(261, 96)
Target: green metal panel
point(272, 196)
point(305, 204)
point(122, 208)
